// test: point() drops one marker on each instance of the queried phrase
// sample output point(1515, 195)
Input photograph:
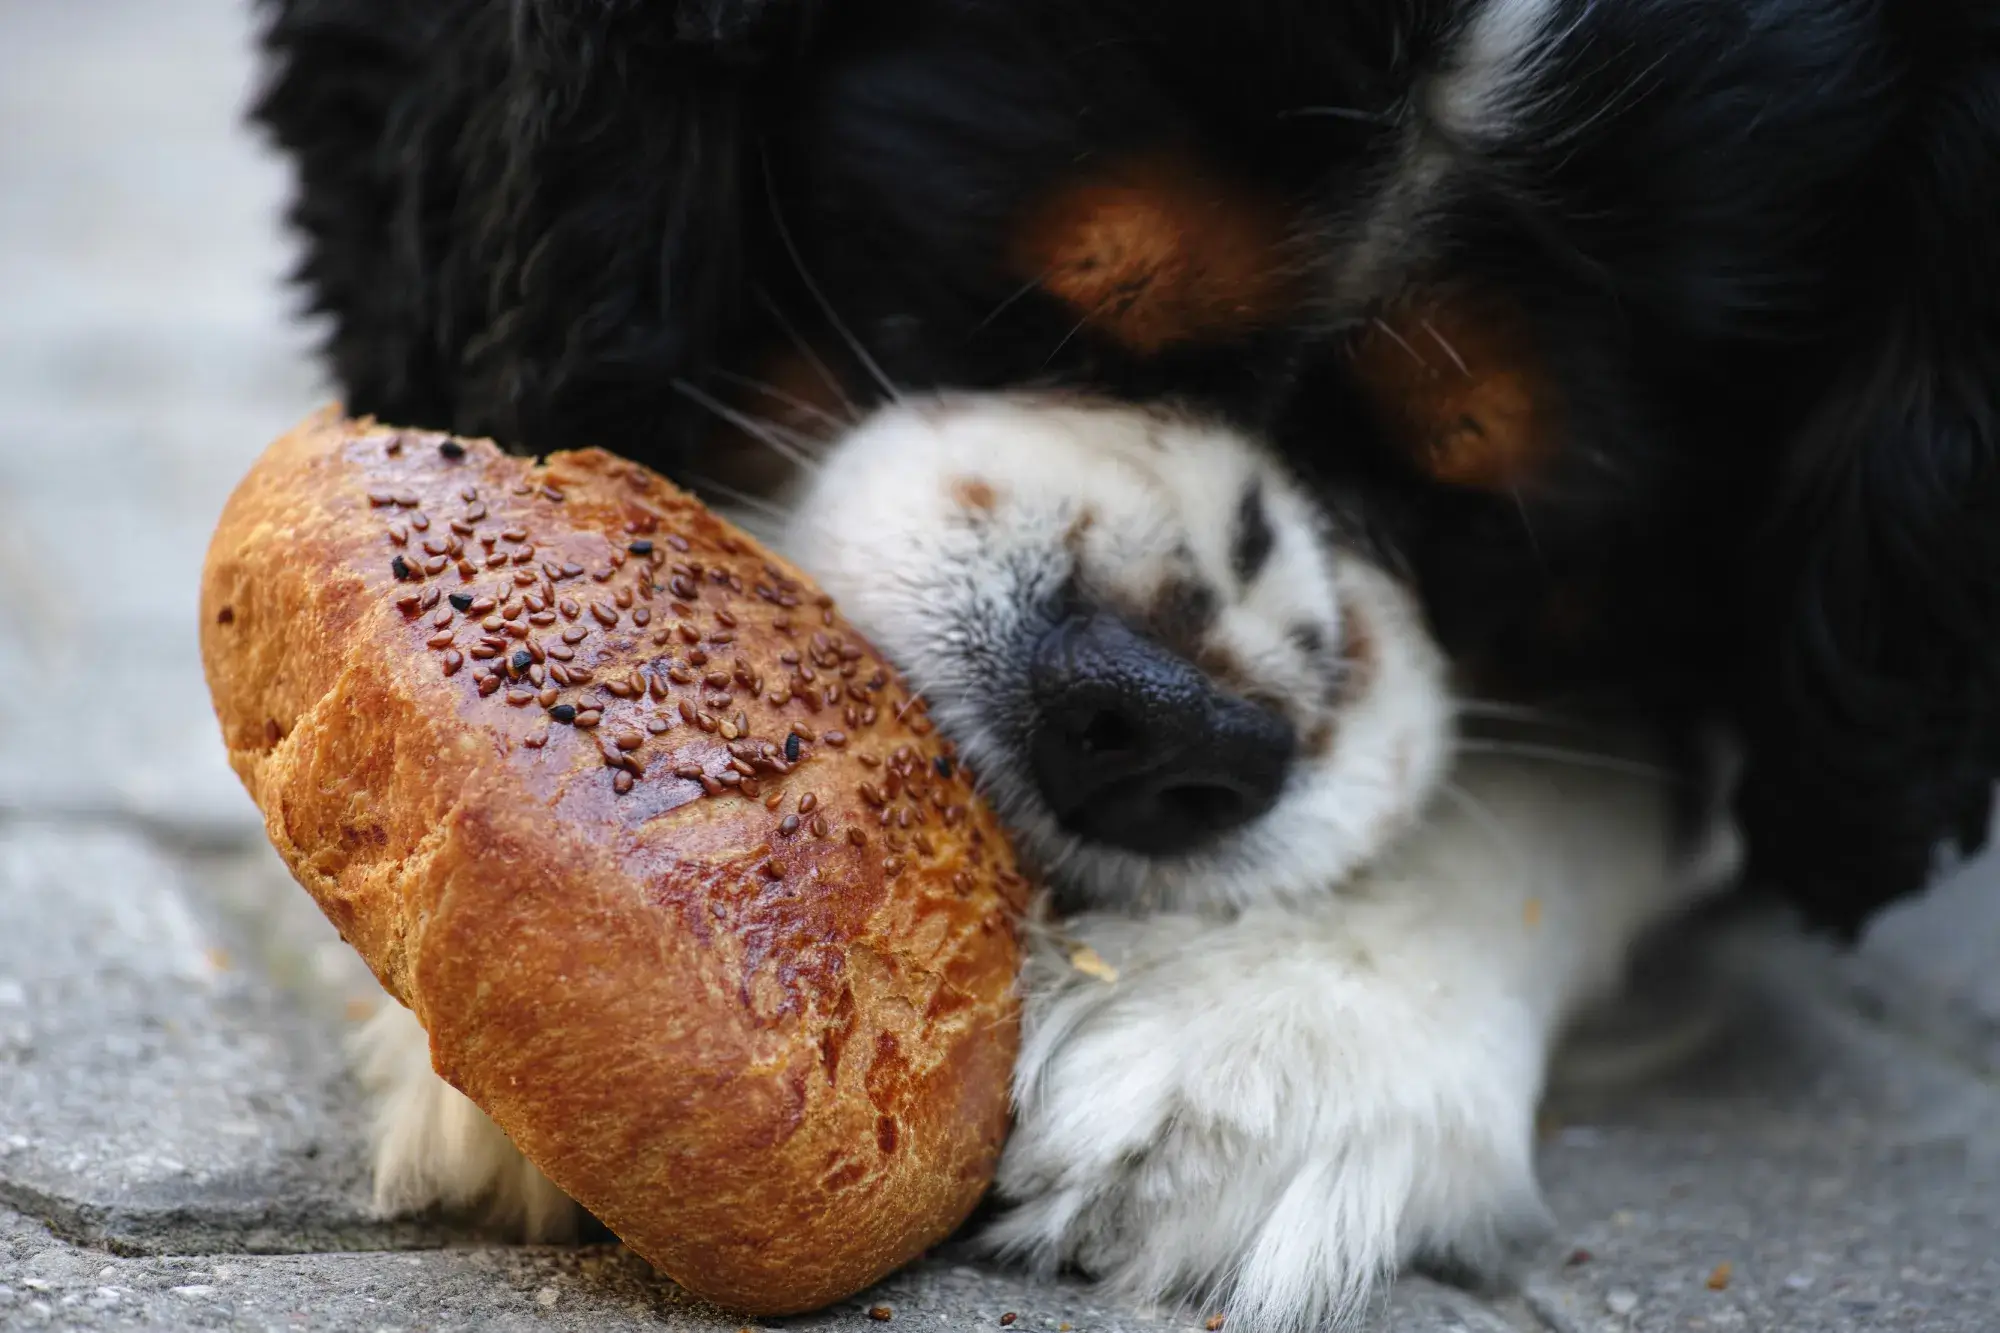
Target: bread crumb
point(881, 1314)
point(1718, 1277)
point(1008, 1318)
point(1531, 913)
point(1091, 963)
point(1214, 1322)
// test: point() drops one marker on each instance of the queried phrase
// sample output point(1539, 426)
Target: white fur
point(432, 1148)
point(1490, 71)
point(1322, 1052)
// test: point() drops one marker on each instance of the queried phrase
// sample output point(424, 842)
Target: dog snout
point(1135, 747)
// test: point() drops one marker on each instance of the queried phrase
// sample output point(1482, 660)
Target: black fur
point(1749, 238)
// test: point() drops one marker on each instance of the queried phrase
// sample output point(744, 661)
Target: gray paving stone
point(45, 1283)
point(158, 1089)
point(1849, 1176)
point(145, 357)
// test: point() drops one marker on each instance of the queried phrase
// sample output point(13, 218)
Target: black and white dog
point(1217, 410)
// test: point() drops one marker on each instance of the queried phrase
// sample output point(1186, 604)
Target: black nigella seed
point(641, 548)
point(523, 660)
point(460, 601)
point(792, 747)
point(943, 766)
point(452, 449)
point(563, 712)
point(401, 569)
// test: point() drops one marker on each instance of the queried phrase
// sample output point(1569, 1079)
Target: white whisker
point(768, 432)
point(1577, 758)
point(790, 400)
point(854, 344)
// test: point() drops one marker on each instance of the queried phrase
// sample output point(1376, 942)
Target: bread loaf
point(670, 865)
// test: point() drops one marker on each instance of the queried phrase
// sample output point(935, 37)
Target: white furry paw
point(431, 1148)
point(1274, 1111)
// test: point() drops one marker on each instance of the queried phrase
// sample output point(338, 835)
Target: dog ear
point(621, 222)
point(1873, 710)
point(527, 217)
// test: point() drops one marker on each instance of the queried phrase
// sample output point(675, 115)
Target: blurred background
point(178, 1133)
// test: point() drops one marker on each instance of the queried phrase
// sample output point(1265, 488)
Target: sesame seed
point(476, 513)
point(452, 661)
point(729, 777)
point(621, 782)
point(619, 688)
point(564, 713)
point(399, 534)
point(461, 601)
point(570, 571)
point(552, 493)
point(428, 600)
point(522, 659)
point(452, 449)
point(640, 548)
point(642, 616)
point(589, 717)
point(836, 739)
point(401, 569)
point(893, 867)
point(407, 500)
point(788, 825)
point(562, 652)
point(689, 771)
point(575, 634)
point(518, 698)
point(792, 748)
point(439, 640)
point(604, 615)
point(628, 740)
point(381, 499)
point(658, 725)
point(547, 698)
point(678, 542)
point(489, 684)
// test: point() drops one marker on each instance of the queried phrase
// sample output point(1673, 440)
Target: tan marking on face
point(1456, 382)
point(1159, 251)
point(974, 493)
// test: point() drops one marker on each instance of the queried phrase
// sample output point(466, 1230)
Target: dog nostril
point(1107, 734)
point(1135, 747)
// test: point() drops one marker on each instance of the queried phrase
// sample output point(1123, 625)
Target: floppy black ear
point(527, 217)
point(1873, 704)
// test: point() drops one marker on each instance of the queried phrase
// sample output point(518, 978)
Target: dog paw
point(432, 1149)
point(1259, 1112)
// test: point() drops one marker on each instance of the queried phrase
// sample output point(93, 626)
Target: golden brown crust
point(758, 1022)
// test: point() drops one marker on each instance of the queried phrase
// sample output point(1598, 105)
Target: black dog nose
point(1134, 746)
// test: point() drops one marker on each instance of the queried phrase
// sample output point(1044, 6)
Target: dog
point(1635, 358)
